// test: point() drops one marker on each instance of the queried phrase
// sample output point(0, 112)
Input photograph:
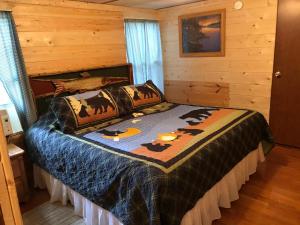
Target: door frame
point(8, 195)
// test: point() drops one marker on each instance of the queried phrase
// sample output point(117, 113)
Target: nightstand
point(17, 163)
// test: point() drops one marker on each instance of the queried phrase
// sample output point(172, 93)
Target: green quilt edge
point(267, 146)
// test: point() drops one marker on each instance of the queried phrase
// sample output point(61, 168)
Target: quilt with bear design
point(167, 139)
point(151, 167)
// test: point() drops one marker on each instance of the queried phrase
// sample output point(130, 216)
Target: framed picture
point(202, 34)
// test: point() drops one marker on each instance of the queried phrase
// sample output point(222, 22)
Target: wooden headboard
point(43, 88)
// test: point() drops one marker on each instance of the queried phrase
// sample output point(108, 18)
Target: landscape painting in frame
point(202, 34)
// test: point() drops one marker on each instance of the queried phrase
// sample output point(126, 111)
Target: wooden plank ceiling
point(148, 4)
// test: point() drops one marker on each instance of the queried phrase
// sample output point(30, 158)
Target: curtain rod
point(145, 20)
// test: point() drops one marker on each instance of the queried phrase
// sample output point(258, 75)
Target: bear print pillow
point(82, 110)
point(141, 96)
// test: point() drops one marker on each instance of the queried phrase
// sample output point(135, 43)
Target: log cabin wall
point(60, 36)
point(240, 79)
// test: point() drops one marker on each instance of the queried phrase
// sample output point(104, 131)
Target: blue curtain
point(13, 73)
point(144, 51)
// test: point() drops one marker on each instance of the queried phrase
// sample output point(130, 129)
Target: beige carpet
point(52, 214)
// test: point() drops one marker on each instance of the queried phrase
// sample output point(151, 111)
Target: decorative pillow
point(141, 96)
point(43, 92)
point(82, 110)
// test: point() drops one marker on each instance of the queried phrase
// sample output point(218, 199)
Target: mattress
point(150, 167)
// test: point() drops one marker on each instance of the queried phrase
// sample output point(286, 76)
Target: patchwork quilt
point(151, 167)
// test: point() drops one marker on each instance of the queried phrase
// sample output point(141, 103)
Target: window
point(5, 103)
point(4, 99)
point(14, 92)
point(144, 51)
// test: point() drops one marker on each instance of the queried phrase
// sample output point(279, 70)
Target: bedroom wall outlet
point(6, 123)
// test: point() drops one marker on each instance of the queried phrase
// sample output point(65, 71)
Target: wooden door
point(285, 100)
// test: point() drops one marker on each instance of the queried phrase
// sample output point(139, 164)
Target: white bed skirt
point(204, 212)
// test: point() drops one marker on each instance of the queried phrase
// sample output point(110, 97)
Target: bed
point(163, 164)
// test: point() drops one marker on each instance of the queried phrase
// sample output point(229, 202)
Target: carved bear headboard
point(45, 87)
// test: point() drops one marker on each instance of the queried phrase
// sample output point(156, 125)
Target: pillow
point(141, 96)
point(87, 109)
point(42, 93)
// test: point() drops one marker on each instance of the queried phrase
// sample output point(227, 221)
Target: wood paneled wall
point(240, 79)
point(56, 39)
point(70, 35)
point(60, 36)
